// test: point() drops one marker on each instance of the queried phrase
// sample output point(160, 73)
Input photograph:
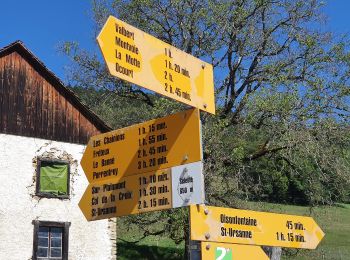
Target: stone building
point(43, 131)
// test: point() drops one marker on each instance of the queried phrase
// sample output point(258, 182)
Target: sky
point(43, 25)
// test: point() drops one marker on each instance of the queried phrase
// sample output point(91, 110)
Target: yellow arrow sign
point(253, 228)
point(156, 144)
point(142, 59)
point(224, 251)
point(163, 189)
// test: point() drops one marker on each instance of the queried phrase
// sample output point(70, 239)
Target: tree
point(282, 93)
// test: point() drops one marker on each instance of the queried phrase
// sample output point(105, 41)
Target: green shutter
point(54, 178)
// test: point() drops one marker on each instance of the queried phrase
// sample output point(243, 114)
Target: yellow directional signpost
point(157, 164)
point(157, 190)
point(142, 59)
point(153, 145)
point(253, 228)
point(224, 251)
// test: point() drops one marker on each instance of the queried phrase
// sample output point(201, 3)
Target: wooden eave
point(39, 66)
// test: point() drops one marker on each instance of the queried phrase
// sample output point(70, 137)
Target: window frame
point(46, 194)
point(65, 236)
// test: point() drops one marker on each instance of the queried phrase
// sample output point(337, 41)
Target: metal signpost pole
point(194, 247)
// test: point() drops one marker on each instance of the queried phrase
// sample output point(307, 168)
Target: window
point(52, 178)
point(50, 240)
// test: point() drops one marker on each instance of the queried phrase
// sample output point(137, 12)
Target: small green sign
point(222, 253)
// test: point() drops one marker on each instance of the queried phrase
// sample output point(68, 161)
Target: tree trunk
point(273, 252)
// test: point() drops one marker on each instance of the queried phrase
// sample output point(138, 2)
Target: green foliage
point(128, 251)
point(116, 111)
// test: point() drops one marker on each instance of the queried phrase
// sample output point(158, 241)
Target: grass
point(151, 247)
point(334, 221)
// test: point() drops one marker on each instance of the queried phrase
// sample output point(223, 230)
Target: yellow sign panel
point(156, 144)
point(163, 189)
point(129, 195)
point(142, 59)
point(253, 228)
point(224, 251)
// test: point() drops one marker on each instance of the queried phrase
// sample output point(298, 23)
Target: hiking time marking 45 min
point(156, 144)
point(144, 60)
point(253, 228)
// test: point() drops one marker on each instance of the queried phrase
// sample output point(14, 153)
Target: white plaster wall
point(18, 206)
